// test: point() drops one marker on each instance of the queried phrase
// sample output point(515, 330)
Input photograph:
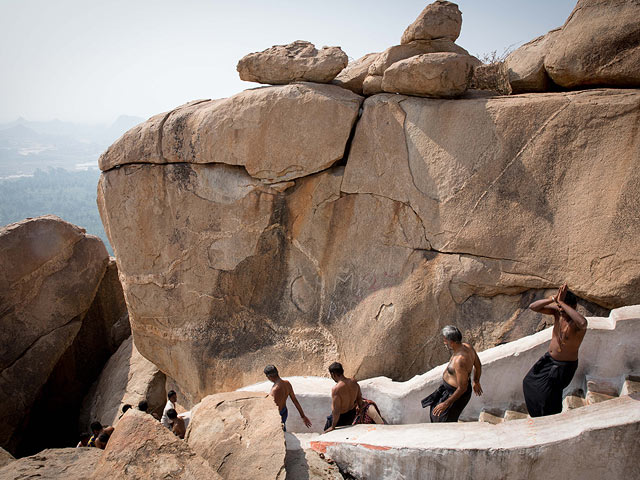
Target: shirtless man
point(448, 401)
point(178, 426)
point(345, 397)
point(280, 391)
point(552, 373)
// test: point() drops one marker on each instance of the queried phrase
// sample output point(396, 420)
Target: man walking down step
point(345, 397)
point(448, 401)
point(551, 374)
point(280, 391)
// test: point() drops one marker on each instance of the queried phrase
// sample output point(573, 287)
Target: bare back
point(566, 338)
point(280, 391)
point(346, 394)
point(460, 365)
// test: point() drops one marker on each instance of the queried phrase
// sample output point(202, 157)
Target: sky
point(90, 61)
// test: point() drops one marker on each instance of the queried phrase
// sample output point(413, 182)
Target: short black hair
point(452, 333)
point(125, 407)
point(96, 426)
point(336, 368)
point(570, 299)
point(84, 435)
point(171, 393)
point(171, 413)
point(104, 437)
point(143, 405)
point(270, 371)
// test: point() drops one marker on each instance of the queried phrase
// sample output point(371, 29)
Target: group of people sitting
point(99, 436)
point(542, 386)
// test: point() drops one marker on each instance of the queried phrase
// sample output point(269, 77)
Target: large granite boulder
point(54, 464)
point(598, 45)
point(430, 75)
point(127, 378)
point(299, 61)
point(240, 435)
point(524, 67)
point(50, 272)
point(141, 448)
point(352, 77)
point(440, 19)
point(276, 133)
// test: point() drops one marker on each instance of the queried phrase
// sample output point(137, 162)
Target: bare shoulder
point(287, 385)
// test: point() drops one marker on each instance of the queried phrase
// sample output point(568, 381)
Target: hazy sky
point(92, 60)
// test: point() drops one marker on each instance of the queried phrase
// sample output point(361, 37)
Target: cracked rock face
point(447, 212)
point(299, 61)
point(240, 435)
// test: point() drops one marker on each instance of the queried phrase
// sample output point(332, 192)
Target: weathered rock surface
point(299, 61)
point(276, 133)
point(239, 434)
point(5, 457)
point(440, 19)
point(352, 77)
point(525, 66)
point(141, 448)
point(54, 464)
point(599, 45)
point(430, 75)
point(50, 273)
point(128, 377)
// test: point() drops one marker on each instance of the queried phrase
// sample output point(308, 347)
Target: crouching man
point(345, 398)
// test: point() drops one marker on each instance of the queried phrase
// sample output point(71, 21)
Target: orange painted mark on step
point(321, 447)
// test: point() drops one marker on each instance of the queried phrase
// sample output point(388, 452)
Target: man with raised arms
point(345, 397)
point(280, 391)
point(450, 398)
point(552, 373)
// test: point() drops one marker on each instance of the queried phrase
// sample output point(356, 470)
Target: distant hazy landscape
point(52, 168)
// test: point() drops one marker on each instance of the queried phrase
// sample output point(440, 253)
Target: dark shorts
point(284, 414)
point(544, 383)
point(443, 392)
point(345, 419)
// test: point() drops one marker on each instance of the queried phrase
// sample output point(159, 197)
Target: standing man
point(345, 398)
point(172, 398)
point(280, 391)
point(450, 398)
point(551, 374)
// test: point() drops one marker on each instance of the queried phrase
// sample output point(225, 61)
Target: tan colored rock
point(50, 271)
point(599, 45)
point(240, 435)
point(352, 77)
point(440, 19)
point(525, 66)
point(372, 84)
point(307, 464)
point(5, 457)
point(127, 378)
point(299, 61)
point(439, 75)
point(276, 133)
point(141, 448)
point(54, 464)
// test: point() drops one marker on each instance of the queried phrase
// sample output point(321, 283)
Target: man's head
point(102, 440)
point(143, 406)
point(271, 372)
point(570, 299)
point(451, 335)
point(336, 371)
point(96, 428)
point(172, 414)
point(172, 396)
point(84, 438)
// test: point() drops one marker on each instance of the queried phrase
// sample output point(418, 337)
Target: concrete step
point(606, 386)
point(631, 385)
point(573, 401)
point(514, 415)
point(488, 417)
point(594, 397)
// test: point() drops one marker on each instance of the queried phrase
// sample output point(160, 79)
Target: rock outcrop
point(525, 66)
point(352, 77)
point(299, 61)
point(599, 45)
point(127, 378)
point(140, 447)
point(240, 435)
point(440, 19)
point(54, 464)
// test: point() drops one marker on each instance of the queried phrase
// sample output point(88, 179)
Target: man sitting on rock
point(97, 429)
point(345, 397)
point(102, 440)
point(280, 391)
point(172, 398)
point(553, 372)
point(178, 426)
point(448, 401)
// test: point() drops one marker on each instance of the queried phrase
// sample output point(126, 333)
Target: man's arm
point(546, 306)
point(462, 377)
point(335, 409)
point(477, 366)
point(292, 395)
point(579, 321)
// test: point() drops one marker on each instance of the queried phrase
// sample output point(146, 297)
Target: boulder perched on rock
point(127, 378)
point(299, 61)
point(141, 448)
point(352, 77)
point(239, 434)
point(525, 66)
point(441, 19)
point(430, 75)
point(276, 133)
point(54, 464)
point(50, 272)
point(598, 45)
